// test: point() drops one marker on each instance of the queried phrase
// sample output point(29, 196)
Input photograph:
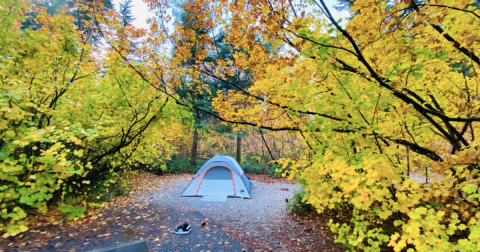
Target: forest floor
point(154, 208)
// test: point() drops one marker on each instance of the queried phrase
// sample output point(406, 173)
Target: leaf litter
point(154, 208)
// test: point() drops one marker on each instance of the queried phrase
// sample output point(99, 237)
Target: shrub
point(179, 165)
point(297, 204)
point(103, 191)
point(157, 167)
point(254, 159)
point(252, 168)
point(200, 163)
point(275, 171)
point(59, 137)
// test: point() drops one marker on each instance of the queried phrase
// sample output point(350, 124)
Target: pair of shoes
point(183, 229)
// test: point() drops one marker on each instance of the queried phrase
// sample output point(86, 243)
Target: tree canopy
point(391, 91)
point(69, 122)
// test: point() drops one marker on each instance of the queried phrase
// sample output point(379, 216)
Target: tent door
point(217, 181)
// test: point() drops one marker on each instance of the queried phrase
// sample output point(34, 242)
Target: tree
point(126, 12)
point(343, 5)
point(201, 89)
point(82, 11)
point(192, 87)
point(393, 91)
point(71, 125)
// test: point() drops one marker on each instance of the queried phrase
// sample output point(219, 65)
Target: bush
point(253, 159)
point(104, 193)
point(253, 168)
point(60, 137)
point(180, 165)
point(275, 171)
point(200, 163)
point(297, 204)
point(157, 167)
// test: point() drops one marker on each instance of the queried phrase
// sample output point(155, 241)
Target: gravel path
point(243, 218)
point(257, 224)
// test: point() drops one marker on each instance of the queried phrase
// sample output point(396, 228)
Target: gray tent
point(221, 176)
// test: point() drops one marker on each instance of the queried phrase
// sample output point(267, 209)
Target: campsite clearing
point(155, 208)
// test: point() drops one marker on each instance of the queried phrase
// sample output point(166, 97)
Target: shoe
point(183, 229)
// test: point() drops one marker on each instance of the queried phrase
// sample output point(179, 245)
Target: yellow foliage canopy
point(391, 91)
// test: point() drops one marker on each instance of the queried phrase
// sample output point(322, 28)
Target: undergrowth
point(297, 204)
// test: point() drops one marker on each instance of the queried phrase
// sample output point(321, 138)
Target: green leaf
point(469, 189)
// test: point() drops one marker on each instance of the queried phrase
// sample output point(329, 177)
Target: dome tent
point(220, 176)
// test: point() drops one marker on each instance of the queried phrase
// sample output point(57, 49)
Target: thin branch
point(266, 145)
point(320, 44)
point(440, 30)
point(293, 9)
point(450, 7)
point(375, 110)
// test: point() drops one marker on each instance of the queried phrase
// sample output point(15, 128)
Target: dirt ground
point(155, 208)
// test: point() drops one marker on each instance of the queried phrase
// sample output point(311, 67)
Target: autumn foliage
point(389, 92)
point(70, 124)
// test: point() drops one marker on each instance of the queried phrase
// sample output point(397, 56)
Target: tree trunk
point(193, 157)
point(239, 149)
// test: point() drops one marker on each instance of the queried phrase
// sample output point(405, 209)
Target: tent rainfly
point(220, 176)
